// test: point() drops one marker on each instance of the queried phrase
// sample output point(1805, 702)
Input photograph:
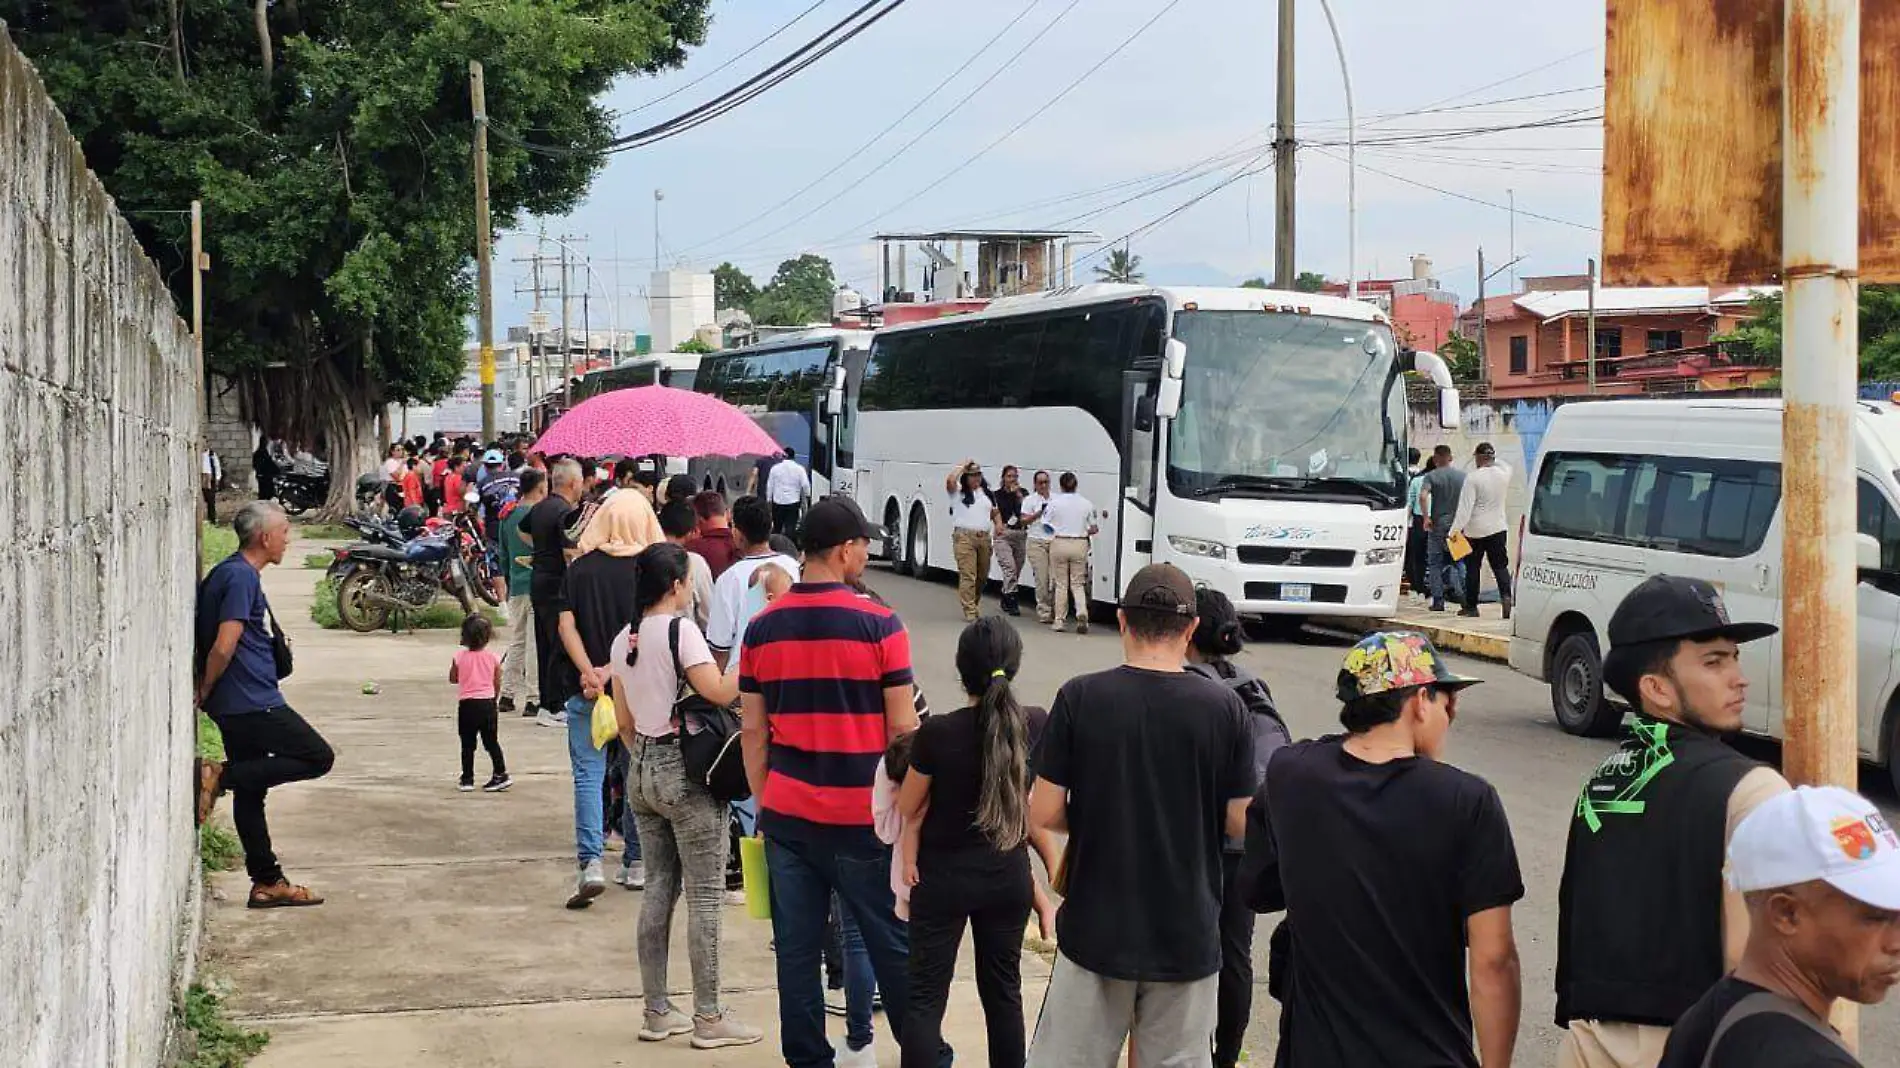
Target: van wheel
point(1576, 689)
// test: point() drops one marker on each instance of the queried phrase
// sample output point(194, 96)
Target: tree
point(800, 292)
point(1256, 282)
point(1759, 337)
point(694, 347)
point(1461, 353)
point(1121, 266)
point(330, 141)
point(733, 288)
point(1309, 282)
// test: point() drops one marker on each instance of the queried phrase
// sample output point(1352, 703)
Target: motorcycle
point(377, 579)
point(300, 491)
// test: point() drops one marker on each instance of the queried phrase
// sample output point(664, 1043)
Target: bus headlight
point(1198, 547)
point(1375, 557)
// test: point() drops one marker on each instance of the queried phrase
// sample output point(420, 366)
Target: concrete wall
point(230, 433)
point(99, 401)
point(1514, 427)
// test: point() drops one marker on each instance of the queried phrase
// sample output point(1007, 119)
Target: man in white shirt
point(786, 487)
point(1481, 520)
point(1070, 520)
point(734, 598)
point(1038, 543)
point(210, 476)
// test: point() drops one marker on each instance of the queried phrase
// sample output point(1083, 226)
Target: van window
point(1671, 503)
point(1875, 517)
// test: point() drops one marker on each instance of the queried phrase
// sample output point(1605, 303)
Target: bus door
point(1136, 501)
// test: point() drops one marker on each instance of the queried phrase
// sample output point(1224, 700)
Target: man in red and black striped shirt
point(825, 683)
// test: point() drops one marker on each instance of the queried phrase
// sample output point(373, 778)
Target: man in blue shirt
point(266, 744)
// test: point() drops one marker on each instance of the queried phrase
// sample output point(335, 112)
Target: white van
point(1625, 489)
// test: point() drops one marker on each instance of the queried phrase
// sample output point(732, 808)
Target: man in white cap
point(1820, 870)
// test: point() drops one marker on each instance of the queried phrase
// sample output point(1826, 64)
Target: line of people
point(1035, 530)
point(1447, 507)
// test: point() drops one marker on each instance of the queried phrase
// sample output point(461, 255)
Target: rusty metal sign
point(1692, 142)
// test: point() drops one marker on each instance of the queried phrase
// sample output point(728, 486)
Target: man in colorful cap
point(1147, 768)
point(1397, 874)
point(1820, 870)
point(1643, 927)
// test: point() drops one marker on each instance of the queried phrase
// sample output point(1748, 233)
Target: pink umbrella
point(656, 419)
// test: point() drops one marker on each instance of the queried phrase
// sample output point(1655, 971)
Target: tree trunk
point(260, 13)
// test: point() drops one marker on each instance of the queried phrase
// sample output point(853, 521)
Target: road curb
point(1451, 639)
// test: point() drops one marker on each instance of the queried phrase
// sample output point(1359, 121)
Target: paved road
point(1504, 733)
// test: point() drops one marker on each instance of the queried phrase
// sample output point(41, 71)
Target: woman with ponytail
point(1217, 640)
point(682, 827)
point(965, 803)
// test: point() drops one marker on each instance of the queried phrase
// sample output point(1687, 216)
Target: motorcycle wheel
point(293, 503)
point(358, 603)
point(484, 578)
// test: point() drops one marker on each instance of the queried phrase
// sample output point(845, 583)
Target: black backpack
point(713, 755)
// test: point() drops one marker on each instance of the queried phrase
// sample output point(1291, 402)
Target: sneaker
point(588, 886)
point(465, 785)
point(1081, 626)
point(498, 783)
point(505, 706)
point(843, 1056)
point(1438, 607)
point(550, 719)
point(834, 1002)
point(735, 897)
point(632, 876)
point(1057, 628)
point(718, 1032)
point(530, 710)
point(660, 1026)
point(1468, 613)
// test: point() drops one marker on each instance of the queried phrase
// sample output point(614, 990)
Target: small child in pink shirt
point(477, 675)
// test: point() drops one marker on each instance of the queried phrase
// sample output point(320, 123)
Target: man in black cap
point(1147, 768)
point(1644, 925)
point(1397, 874)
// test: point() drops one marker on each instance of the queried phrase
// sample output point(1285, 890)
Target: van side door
point(1877, 599)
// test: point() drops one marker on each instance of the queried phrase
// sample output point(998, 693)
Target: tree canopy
point(1121, 266)
point(800, 292)
point(1309, 281)
point(333, 154)
point(733, 288)
point(1759, 337)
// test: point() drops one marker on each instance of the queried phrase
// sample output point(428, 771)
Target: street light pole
point(484, 269)
point(1352, 161)
point(1283, 145)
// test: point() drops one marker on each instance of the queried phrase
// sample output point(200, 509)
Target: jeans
point(1415, 538)
point(1492, 547)
point(475, 719)
point(1069, 558)
point(1235, 998)
point(616, 800)
point(520, 666)
point(684, 831)
point(804, 876)
point(1438, 564)
point(590, 771)
point(848, 967)
point(264, 749)
point(993, 895)
point(972, 548)
point(1010, 549)
point(1045, 578)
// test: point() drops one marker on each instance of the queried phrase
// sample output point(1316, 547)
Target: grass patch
point(216, 1042)
point(218, 847)
point(210, 739)
point(326, 532)
point(443, 614)
point(215, 544)
point(318, 561)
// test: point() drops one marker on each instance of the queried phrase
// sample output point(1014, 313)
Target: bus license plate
point(1298, 592)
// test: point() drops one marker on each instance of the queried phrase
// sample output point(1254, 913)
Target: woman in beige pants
point(1037, 544)
point(1071, 519)
point(974, 524)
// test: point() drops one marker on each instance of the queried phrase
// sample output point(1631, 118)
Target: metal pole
point(1512, 195)
point(567, 347)
point(1484, 365)
point(1590, 329)
point(1820, 261)
point(537, 370)
point(1283, 145)
point(199, 265)
point(484, 235)
point(657, 197)
point(1352, 161)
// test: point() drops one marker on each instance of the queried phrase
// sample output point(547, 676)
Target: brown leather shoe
point(210, 776)
point(282, 895)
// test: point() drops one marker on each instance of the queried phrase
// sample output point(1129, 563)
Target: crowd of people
point(1458, 525)
point(1709, 913)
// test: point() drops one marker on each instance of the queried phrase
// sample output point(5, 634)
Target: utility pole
point(1511, 194)
point(200, 263)
point(484, 235)
point(1484, 365)
point(567, 347)
point(657, 197)
point(1590, 328)
point(1283, 145)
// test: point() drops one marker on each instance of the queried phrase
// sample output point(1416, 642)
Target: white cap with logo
point(1818, 832)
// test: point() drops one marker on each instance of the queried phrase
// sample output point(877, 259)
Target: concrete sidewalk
point(1488, 636)
point(444, 941)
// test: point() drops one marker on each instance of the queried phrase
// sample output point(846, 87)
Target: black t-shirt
point(599, 591)
point(1150, 760)
point(949, 750)
point(764, 465)
point(1764, 1040)
point(546, 526)
point(1009, 504)
point(1379, 866)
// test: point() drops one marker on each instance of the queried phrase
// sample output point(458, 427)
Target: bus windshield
point(1287, 404)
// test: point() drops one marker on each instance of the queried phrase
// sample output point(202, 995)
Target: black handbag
point(709, 736)
point(279, 646)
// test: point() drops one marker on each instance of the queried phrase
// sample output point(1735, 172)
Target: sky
point(1155, 145)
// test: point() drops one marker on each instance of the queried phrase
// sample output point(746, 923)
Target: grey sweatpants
point(1086, 1018)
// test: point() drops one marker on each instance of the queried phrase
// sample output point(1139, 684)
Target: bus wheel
point(1576, 689)
point(917, 546)
point(893, 537)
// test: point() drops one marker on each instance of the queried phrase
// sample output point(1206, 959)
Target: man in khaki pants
point(1070, 518)
point(1038, 542)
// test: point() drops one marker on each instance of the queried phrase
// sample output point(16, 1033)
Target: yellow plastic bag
point(606, 726)
point(758, 883)
point(1459, 545)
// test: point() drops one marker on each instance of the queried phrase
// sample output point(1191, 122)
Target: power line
point(1246, 171)
point(846, 158)
point(754, 47)
point(1507, 80)
point(1464, 196)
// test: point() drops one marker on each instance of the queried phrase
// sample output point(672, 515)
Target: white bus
point(786, 384)
point(1254, 438)
point(674, 369)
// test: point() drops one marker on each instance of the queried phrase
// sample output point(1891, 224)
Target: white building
point(682, 303)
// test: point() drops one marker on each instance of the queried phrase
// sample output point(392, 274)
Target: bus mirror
point(837, 380)
point(1167, 404)
point(1176, 354)
point(834, 400)
point(1866, 552)
point(1450, 413)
